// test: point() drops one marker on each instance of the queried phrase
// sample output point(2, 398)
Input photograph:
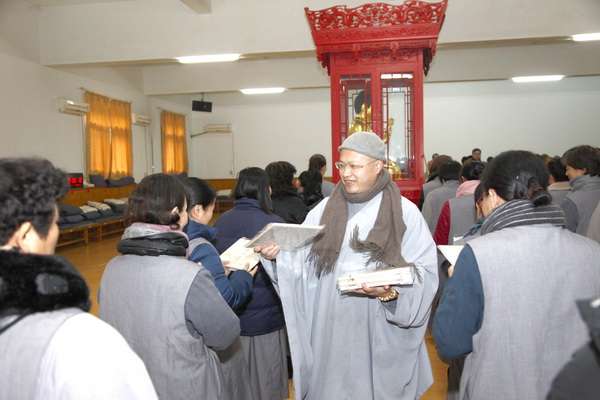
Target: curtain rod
point(172, 112)
point(100, 94)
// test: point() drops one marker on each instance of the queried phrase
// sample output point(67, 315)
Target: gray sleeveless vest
point(23, 347)
point(531, 276)
point(143, 297)
point(463, 216)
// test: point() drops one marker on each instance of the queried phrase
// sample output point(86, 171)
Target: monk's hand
point(268, 252)
point(375, 291)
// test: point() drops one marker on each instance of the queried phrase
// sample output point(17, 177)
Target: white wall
point(494, 115)
point(290, 126)
point(30, 124)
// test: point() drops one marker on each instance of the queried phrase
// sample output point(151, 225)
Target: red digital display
point(76, 180)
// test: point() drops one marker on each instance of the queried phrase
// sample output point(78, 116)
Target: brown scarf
point(383, 241)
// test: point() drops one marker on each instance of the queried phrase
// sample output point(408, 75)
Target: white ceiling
point(480, 40)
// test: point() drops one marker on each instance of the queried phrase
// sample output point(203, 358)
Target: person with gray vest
point(167, 307)
point(52, 348)
point(235, 286)
point(510, 305)
point(449, 174)
point(459, 214)
point(583, 170)
point(433, 181)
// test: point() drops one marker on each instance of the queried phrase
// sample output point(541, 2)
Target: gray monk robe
point(348, 346)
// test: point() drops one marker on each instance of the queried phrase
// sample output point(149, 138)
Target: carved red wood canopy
point(377, 26)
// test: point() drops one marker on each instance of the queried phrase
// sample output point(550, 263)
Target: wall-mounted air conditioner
point(73, 107)
point(217, 128)
point(140, 119)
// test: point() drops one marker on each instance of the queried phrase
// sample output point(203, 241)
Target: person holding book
point(52, 348)
point(167, 307)
point(261, 317)
point(368, 343)
point(234, 286)
point(510, 304)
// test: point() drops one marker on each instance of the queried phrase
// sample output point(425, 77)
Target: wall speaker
point(201, 105)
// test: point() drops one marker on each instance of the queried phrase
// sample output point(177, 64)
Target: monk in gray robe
point(369, 343)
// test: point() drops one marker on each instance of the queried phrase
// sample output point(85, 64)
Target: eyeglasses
point(353, 167)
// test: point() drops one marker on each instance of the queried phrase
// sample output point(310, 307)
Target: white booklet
point(287, 236)
point(378, 277)
point(239, 255)
point(451, 252)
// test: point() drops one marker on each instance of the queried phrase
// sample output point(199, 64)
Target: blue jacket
point(263, 312)
point(236, 288)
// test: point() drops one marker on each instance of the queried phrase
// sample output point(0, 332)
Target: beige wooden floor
point(91, 261)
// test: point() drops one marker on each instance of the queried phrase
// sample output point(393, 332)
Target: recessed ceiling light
point(585, 37)
point(541, 78)
point(208, 59)
point(263, 90)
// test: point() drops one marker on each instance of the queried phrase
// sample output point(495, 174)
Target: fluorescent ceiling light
point(585, 37)
point(263, 90)
point(542, 78)
point(208, 59)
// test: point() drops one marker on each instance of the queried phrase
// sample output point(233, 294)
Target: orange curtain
point(108, 137)
point(174, 144)
point(121, 163)
point(97, 132)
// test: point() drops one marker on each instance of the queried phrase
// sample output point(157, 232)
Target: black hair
point(517, 174)
point(471, 171)
point(478, 193)
point(361, 99)
point(198, 192)
point(253, 183)
point(476, 149)
point(557, 170)
point(29, 190)
point(281, 174)
point(317, 162)
point(450, 171)
point(463, 159)
point(584, 156)
point(153, 200)
point(311, 182)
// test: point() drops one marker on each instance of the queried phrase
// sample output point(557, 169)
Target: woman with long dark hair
point(510, 305)
point(261, 317)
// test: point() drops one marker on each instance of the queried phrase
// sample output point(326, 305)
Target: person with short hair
point(310, 182)
point(476, 154)
point(449, 175)
point(318, 162)
point(458, 214)
point(167, 307)
point(287, 203)
point(510, 304)
point(369, 343)
point(583, 169)
point(52, 348)
point(262, 322)
point(559, 186)
point(433, 181)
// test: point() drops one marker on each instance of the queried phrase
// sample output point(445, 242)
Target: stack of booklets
point(378, 277)
point(238, 255)
point(288, 237)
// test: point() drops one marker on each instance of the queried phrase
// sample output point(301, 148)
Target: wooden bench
point(82, 233)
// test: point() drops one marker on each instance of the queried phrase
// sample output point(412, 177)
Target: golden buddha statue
point(362, 123)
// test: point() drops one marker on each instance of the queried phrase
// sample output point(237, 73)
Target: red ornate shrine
point(377, 55)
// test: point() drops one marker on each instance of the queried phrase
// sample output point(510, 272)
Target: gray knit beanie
point(366, 143)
